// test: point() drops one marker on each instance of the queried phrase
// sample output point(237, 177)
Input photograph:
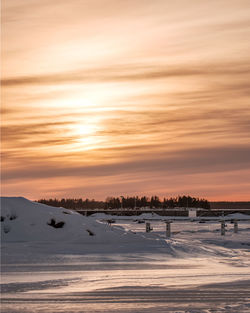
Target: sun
point(87, 133)
point(86, 128)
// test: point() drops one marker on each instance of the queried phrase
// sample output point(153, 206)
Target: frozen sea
point(198, 270)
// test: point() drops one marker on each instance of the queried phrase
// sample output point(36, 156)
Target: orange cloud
point(131, 97)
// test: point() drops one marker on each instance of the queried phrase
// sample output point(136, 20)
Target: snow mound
point(238, 216)
point(23, 220)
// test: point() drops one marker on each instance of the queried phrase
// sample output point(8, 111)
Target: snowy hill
point(24, 220)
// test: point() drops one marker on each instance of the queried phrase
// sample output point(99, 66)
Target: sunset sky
point(138, 97)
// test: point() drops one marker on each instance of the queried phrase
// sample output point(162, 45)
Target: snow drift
point(24, 220)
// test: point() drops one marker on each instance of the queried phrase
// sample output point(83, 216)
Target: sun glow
point(87, 133)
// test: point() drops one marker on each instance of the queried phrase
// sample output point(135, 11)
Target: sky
point(138, 97)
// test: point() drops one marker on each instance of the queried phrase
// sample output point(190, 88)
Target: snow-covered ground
point(90, 266)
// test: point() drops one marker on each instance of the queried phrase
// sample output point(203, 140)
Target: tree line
point(112, 203)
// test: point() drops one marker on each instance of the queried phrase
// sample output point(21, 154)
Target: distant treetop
point(129, 202)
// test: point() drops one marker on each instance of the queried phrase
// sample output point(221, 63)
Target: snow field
point(121, 268)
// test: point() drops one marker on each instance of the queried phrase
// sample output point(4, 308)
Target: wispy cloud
point(132, 72)
point(204, 160)
point(128, 96)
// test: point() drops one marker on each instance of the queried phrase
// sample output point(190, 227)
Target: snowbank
point(238, 216)
point(24, 220)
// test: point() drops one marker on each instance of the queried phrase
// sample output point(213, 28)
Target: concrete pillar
point(235, 226)
point(168, 229)
point(223, 228)
point(148, 228)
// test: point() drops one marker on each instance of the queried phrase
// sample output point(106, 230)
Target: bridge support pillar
point(168, 229)
point(235, 226)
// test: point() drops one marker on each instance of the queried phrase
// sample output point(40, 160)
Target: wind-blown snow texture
point(90, 266)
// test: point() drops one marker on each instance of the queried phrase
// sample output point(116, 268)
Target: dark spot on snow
point(140, 222)
point(111, 221)
point(2, 218)
point(90, 232)
point(59, 225)
point(53, 223)
point(12, 217)
point(66, 212)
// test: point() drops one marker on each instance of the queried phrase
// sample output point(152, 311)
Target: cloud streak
point(126, 97)
point(131, 72)
point(185, 161)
